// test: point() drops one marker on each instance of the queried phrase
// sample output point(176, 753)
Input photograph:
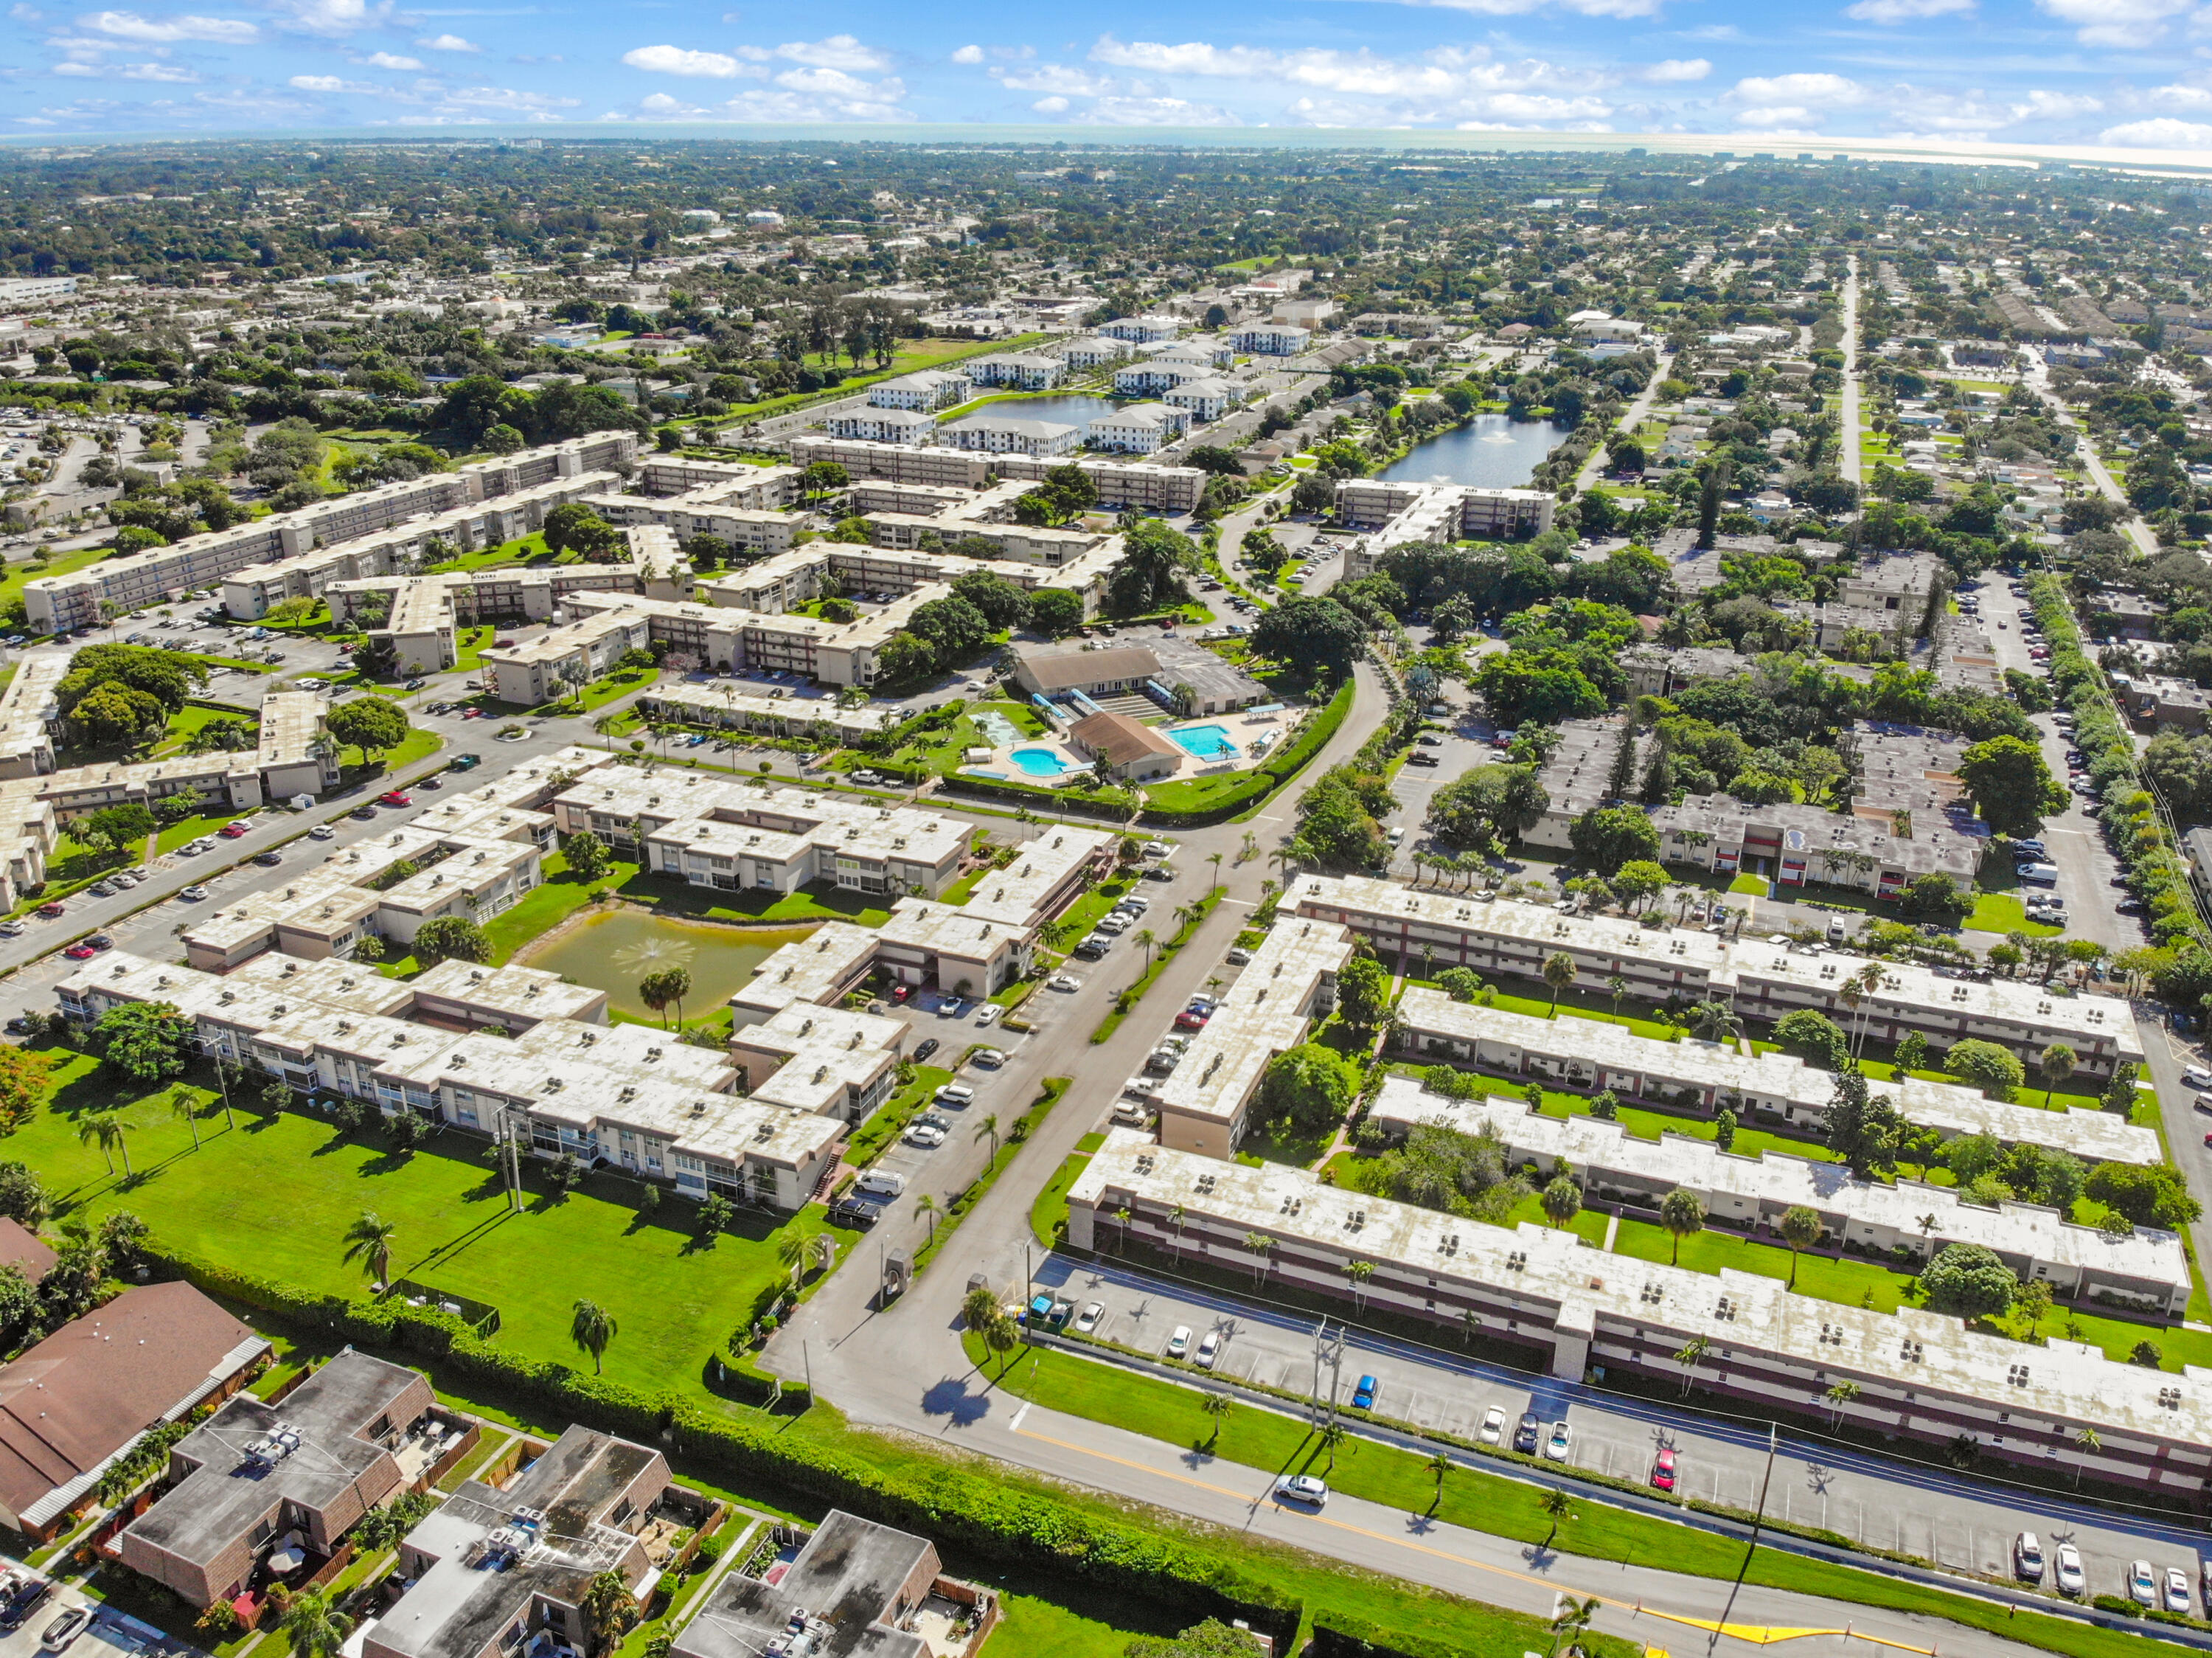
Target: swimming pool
point(1039, 762)
point(1204, 742)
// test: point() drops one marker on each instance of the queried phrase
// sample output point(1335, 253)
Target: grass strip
point(1125, 1002)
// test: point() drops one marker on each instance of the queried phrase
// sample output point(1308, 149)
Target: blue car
point(1363, 1396)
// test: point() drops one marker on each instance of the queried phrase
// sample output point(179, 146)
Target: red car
point(50, 911)
point(1190, 1019)
point(231, 831)
point(1662, 1470)
point(395, 798)
point(80, 953)
point(899, 992)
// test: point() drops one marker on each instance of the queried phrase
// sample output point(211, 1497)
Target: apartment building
point(870, 424)
point(1141, 330)
point(927, 390)
point(1139, 427)
point(997, 434)
point(854, 1588)
point(1272, 339)
point(724, 707)
point(1020, 371)
point(115, 586)
point(1762, 981)
point(1398, 514)
point(1793, 844)
point(737, 482)
point(1905, 1224)
point(1206, 1102)
point(501, 1572)
point(257, 1476)
point(1763, 1087)
point(1093, 351)
point(894, 463)
point(1154, 376)
point(1204, 400)
point(30, 716)
point(1915, 1374)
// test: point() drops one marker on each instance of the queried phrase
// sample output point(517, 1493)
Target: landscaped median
point(1126, 1000)
point(1005, 1144)
point(1261, 1432)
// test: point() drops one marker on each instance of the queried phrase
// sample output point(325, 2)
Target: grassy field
point(61, 564)
point(2001, 912)
point(274, 1196)
point(1261, 1441)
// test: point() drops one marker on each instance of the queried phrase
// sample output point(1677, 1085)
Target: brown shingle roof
point(27, 1249)
point(82, 1394)
point(1058, 670)
point(1120, 738)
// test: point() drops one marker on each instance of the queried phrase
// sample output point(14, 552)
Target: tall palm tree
point(368, 1241)
point(1714, 1021)
point(314, 1628)
point(2057, 1063)
point(989, 1125)
point(1216, 1405)
point(1800, 1228)
point(677, 982)
point(2090, 1440)
point(1840, 1395)
point(926, 1207)
point(105, 1129)
point(1559, 973)
point(1146, 938)
point(1560, 1506)
point(181, 1103)
point(1688, 1355)
point(592, 1329)
point(1259, 1243)
point(1439, 1465)
point(1573, 1617)
point(1331, 1436)
point(1619, 987)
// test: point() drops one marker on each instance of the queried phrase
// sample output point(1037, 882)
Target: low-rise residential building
point(501, 1572)
point(1132, 752)
point(1139, 427)
point(258, 1477)
point(927, 390)
point(1205, 401)
point(1006, 434)
point(1141, 330)
point(898, 463)
point(1399, 513)
point(73, 1404)
point(1019, 371)
point(1272, 339)
point(1906, 1223)
point(871, 423)
point(1154, 375)
point(853, 1591)
point(2169, 704)
point(1763, 981)
point(1793, 844)
point(1913, 1374)
point(1121, 483)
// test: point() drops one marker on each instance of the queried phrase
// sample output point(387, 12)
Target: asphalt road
point(1848, 429)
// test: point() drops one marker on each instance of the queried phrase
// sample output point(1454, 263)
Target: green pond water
point(613, 952)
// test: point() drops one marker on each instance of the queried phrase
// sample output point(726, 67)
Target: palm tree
point(105, 1129)
point(1562, 1200)
point(592, 1329)
point(1215, 1405)
point(1840, 1395)
point(1146, 938)
point(1439, 1465)
point(1259, 1243)
point(1331, 1436)
point(181, 1103)
point(368, 1241)
point(980, 1306)
point(676, 981)
point(1688, 1355)
point(653, 991)
point(791, 1250)
point(1573, 1617)
point(1358, 1273)
point(926, 1206)
point(2056, 1063)
point(1714, 1021)
point(1682, 1212)
point(1618, 986)
point(1560, 1506)
point(1852, 995)
point(2090, 1442)
point(1469, 1322)
point(313, 1626)
point(606, 725)
point(225, 1074)
point(989, 1125)
point(1799, 1228)
point(1214, 858)
point(609, 1608)
point(1559, 973)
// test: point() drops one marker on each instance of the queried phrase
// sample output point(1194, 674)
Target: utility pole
point(1328, 1349)
point(1758, 1514)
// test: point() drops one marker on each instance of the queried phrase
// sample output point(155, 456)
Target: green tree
point(1562, 1200)
point(1310, 1087)
point(114, 827)
point(2010, 785)
point(1801, 1229)
point(145, 1042)
point(1639, 881)
point(1864, 1130)
point(608, 1607)
point(2057, 1063)
point(1607, 836)
point(374, 725)
point(104, 1129)
point(1970, 1280)
point(368, 1241)
point(1560, 1506)
point(1986, 1066)
point(1559, 975)
point(591, 1327)
point(1363, 993)
point(1682, 1212)
point(451, 938)
point(586, 855)
point(313, 1627)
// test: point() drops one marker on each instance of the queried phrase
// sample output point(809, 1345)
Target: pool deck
point(1253, 735)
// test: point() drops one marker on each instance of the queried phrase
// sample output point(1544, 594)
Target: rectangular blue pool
point(1204, 742)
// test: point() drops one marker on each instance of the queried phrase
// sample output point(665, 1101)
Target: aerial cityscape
point(818, 892)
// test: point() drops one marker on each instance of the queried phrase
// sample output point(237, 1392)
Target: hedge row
point(963, 1507)
point(2100, 732)
point(1279, 769)
point(1115, 805)
point(1341, 1635)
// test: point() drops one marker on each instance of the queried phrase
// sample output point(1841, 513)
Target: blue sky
point(2129, 73)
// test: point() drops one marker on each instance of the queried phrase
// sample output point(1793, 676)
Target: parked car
point(1301, 1488)
point(925, 1048)
point(1068, 982)
point(1662, 1469)
point(1561, 1441)
point(1363, 1393)
point(58, 1635)
point(1209, 1349)
point(1088, 1320)
point(955, 1093)
point(2142, 1584)
point(2027, 1557)
point(1527, 1432)
point(990, 1014)
point(193, 895)
point(880, 1183)
point(11, 927)
point(1493, 1425)
point(27, 1599)
point(232, 830)
point(268, 859)
point(2177, 1592)
point(1179, 1346)
point(56, 908)
point(990, 1059)
point(321, 832)
point(922, 1134)
point(80, 951)
point(393, 797)
point(2066, 1569)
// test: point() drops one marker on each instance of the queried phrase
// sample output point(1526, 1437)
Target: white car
point(2177, 1592)
point(1209, 1349)
point(1089, 1318)
point(2196, 1077)
point(321, 832)
point(1179, 1346)
point(2027, 1558)
point(1301, 1488)
point(990, 1014)
point(990, 1059)
point(193, 895)
point(1069, 982)
point(2142, 1583)
point(1561, 1441)
point(926, 1136)
point(1493, 1425)
point(2066, 1569)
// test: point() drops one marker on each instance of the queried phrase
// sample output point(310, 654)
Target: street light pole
point(1758, 1514)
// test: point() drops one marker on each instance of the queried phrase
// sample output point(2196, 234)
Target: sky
point(2132, 74)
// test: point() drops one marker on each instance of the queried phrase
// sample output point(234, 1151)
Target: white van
point(880, 1183)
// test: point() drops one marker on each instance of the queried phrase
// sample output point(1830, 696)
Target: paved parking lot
point(110, 1635)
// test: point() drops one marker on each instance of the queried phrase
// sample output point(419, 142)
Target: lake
point(1494, 451)
point(1069, 409)
point(613, 951)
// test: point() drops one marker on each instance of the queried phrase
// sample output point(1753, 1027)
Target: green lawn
point(1755, 885)
point(419, 745)
point(871, 1137)
point(2001, 912)
point(19, 572)
point(174, 835)
point(191, 718)
point(274, 1196)
point(1254, 1441)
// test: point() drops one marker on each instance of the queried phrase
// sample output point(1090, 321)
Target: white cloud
point(2116, 23)
point(391, 60)
point(1049, 106)
point(1835, 91)
point(329, 83)
point(130, 25)
point(968, 55)
point(2164, 132)
point(2177, 97)
point(829, 83)
point(837, 51)
point(1521, 7)
point(1679, 69)
point(333, 17)
point(23, 13)
point(2040, 105)
point(801, 108)
point(447, 43)
point(1446, 72)
point(176, 72)
point(1778, 115)
point(1903, 11)
point(1057, 79)
point(676, 60)
point(77, 68)
point(1157, 112)
point(506, 98)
